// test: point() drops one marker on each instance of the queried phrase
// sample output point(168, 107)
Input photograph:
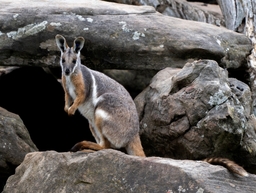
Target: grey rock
point(113, 171)
point(196, 112)
point(15, 142)
point(187, 10)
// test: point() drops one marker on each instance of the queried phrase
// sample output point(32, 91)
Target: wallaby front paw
point(66, 109)
point(71, 111)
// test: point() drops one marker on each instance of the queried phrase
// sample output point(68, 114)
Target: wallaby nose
point(67, 71)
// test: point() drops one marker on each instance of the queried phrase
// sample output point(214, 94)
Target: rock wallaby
point(106, 104)
point(108, 107)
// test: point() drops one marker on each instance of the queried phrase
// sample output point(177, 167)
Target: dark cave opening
point(38, 98)
point(241, 74)
point(205, 1)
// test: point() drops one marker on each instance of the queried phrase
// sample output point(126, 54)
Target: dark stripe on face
point(69, 51)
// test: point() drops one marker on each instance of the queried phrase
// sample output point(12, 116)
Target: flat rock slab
point(118, 36)
point(113, 171)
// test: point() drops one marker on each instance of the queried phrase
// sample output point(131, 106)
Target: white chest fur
point(87, 107)
point(70, 87)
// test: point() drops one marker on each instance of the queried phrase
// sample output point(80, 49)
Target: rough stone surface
point(187, 10)
point(15, 142)
point(112, 171)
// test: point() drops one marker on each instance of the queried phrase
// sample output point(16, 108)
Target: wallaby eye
point(63, 60)
point(74, 61)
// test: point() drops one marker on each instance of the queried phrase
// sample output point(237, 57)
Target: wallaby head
point(70, 57)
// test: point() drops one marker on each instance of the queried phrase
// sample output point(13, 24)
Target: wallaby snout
point(69, 62)
point(67, 72)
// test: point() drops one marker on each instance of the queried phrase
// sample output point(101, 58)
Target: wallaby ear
point(61, 42)
point(78, 44)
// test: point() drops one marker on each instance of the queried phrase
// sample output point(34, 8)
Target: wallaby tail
point(230, 165)
point(134, 147)
point(83, 145)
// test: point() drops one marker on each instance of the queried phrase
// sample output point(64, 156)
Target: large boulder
point(197, 112)
point(15, 142)
point(112, 171)
point(118, 36)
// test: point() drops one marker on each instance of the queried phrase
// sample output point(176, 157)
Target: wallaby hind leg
point(134, 147)
point(97, 139)
point(102, 142)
